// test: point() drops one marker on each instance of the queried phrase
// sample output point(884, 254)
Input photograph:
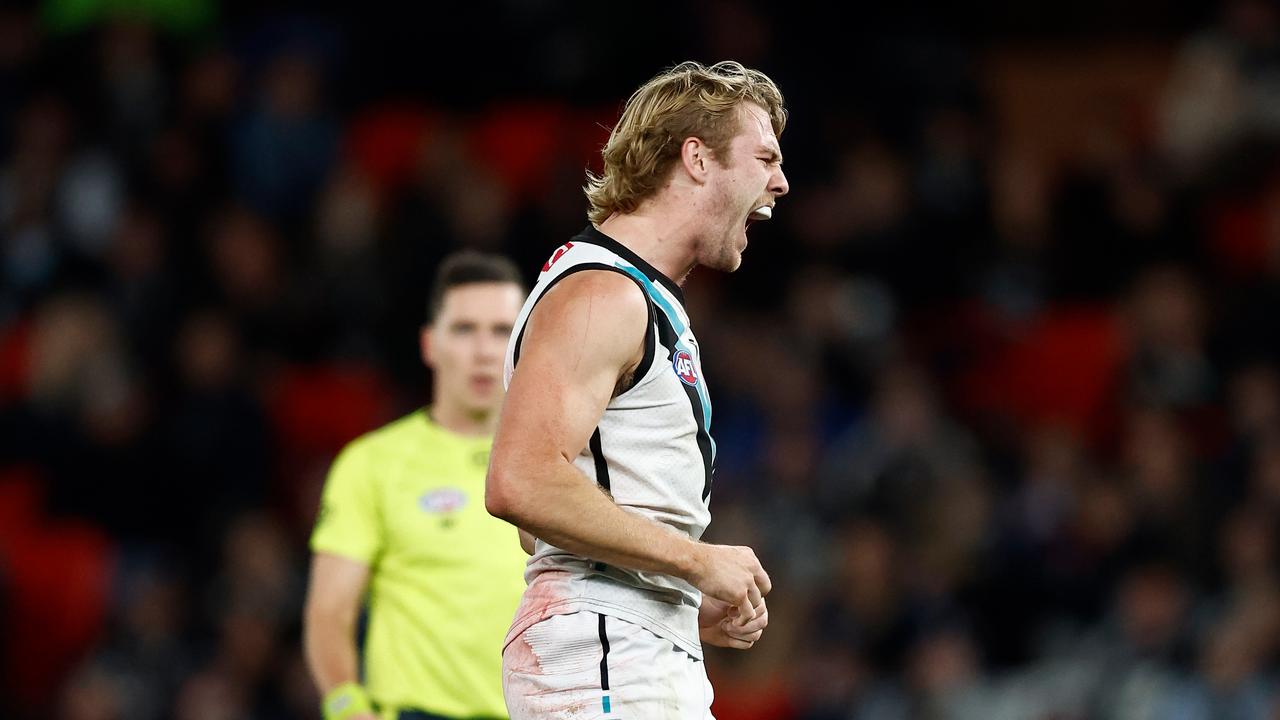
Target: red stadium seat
point(14, 358)
point(1061, 369)
point(57, 577)
point(519, 143)
point(385, 143)
point(321, 408)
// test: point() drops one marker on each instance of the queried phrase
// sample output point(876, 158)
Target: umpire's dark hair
point(466, 267)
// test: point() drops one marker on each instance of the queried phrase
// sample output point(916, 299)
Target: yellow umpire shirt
point(445, 576)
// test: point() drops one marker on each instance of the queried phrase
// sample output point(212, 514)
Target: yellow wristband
point(346, 700)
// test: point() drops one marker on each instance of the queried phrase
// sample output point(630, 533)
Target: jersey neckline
point(594, 236)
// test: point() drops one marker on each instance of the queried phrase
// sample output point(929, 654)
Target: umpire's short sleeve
point(349, 522)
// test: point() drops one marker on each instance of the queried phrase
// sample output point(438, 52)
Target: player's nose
point(778, 183)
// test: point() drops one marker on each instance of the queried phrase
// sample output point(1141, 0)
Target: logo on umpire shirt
point(685, 370)
point(443, 500)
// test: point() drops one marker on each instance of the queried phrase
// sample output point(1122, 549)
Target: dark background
point(996, 390)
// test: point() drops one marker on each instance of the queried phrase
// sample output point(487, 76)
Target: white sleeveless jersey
point(652, 452)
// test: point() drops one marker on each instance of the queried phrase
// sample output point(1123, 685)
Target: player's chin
point(729, 261)
point(734, 261)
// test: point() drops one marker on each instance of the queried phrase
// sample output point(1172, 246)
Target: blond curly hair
point(688, 100)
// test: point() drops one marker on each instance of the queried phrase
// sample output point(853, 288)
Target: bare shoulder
point(618, 291)
point(595, 322)
point(606, 302)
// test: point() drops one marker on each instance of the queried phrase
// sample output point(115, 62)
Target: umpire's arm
point(334, 598)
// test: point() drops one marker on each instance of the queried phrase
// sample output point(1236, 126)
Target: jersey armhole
point(650, 343)
point(650, 334)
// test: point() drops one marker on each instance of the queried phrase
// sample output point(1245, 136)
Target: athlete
point(603, 454)
point(403, 520)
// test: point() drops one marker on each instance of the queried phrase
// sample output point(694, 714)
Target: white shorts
point(585, 666)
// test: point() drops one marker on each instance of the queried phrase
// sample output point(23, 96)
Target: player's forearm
point(562, 507)
point(329, 641)
point(612, 535)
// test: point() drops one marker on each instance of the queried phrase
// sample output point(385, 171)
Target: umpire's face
point(466, 344)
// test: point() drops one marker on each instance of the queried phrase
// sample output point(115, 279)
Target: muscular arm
point(578, 341)
point(584, 335)
point(333, 603)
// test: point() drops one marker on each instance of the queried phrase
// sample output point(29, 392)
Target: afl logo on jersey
point(443, 500)
point(685, 369)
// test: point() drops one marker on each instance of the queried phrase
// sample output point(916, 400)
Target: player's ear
point(425, 346)
point(696, 158)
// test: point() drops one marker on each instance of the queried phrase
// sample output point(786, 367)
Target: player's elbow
point(516, 486)
point(498, 494)
point(496, 503)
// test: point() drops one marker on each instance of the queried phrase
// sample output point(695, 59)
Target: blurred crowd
point(996, 392)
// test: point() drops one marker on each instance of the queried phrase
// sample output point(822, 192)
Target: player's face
point(466, 344)
point(749, 178)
